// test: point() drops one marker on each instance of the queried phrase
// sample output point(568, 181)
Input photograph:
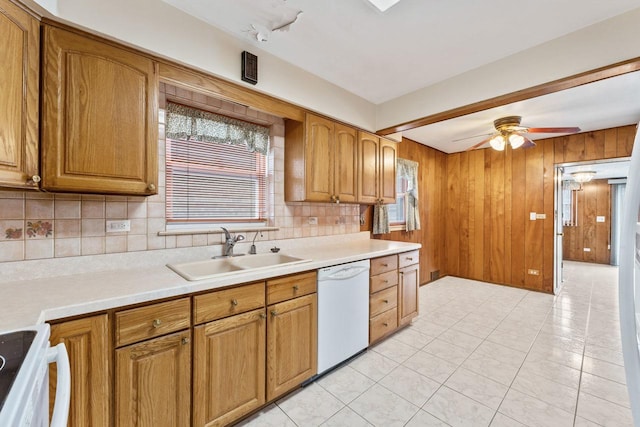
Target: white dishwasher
point(343, 312)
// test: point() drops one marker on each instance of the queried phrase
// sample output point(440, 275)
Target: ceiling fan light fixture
point(383, 5)
point(583, 176)
point(497, 142)
point(516, 140)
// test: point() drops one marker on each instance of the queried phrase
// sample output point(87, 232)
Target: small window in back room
point(216, 168)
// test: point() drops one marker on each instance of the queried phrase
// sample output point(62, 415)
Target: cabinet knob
point(295, 288)
point(333, 198)
point(385, 265)
point(263, 316)
point(386, 301)
point(157, 323)
point(185, 340)
point(234, 302)
point(385, 281)
point(274, 313)
point(385, 324)
point(338, 199)
point(36, 179)
point(151, 187)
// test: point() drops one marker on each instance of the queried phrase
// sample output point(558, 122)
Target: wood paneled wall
point(593, 200)
point(431, 190)
point(490, 194)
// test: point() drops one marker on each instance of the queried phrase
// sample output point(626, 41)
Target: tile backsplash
point(36, 225)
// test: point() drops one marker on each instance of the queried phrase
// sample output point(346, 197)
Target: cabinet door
point(319, 159)
point(346, 164)
point(19, 80)
point(153, 382)
point(368, 168)
point(229, 368)
point(99, 117)
point(292, 342)
point(87, 342)
point(408, 288)
point(387, 171)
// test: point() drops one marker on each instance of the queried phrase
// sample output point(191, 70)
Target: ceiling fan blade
point(553, 130)
point(528, 143)
point(479, 144)
point(470, 137)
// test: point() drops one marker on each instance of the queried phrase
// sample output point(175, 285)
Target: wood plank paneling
point(593, 200)
point(432, 183)
point(475, 207)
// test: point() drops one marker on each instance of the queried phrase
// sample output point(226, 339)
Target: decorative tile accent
point(39, 229)
point(13, 233)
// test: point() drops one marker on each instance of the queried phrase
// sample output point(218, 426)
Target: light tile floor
point(480, 355)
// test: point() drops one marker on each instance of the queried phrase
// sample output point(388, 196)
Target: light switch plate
point(600, 219)
point(532, 216)
point(587, 249)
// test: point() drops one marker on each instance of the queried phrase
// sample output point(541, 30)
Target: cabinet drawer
point(219, 304)
point(383, 324)
point(384, 264)
point(408, 258)
point(141, 323)
point(384, 281)
point(289, 287)
point(383, 301)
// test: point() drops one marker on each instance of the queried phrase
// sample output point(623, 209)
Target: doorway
point(588, 200)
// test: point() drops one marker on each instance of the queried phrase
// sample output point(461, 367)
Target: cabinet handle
point(337, 199)
point(385, 281)
point(386, 301)
point(385, 324)
point(295, 288)
point(234, 302)
point(333, 198)
point(263, 316)
point(157, 323)
point(36, 179)
point(409, 259)
point(151, 187)
point(274, 313)
point(385, 265)
point(185, 341)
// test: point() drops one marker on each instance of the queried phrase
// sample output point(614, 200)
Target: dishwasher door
point(343, 312)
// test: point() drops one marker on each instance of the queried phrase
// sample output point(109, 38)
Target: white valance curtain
point(409, 170)
point(185, 123)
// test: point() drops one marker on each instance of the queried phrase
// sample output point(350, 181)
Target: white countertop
point(28, 302)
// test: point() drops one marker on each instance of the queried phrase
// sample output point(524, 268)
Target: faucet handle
point(226, 233)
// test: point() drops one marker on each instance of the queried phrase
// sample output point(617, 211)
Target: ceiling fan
point(509, 131)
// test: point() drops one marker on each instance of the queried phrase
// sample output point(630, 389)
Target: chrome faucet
point(230, 241)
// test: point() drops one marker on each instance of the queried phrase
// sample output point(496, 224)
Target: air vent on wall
point(249, 68)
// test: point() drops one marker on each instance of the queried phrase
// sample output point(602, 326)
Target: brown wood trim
point(181, 76)
point(576, 80)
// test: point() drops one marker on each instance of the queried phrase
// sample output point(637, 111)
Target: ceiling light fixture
point(383, 5)
point(583, 176)
point(497, 142)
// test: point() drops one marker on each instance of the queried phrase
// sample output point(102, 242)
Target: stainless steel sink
point(211, 268)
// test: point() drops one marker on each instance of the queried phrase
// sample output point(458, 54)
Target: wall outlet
point(533, 272)
point(587, 249)
point(313, 220)
point(600, 219)
point(118, 226)
point(541, 216)
point(532, 216)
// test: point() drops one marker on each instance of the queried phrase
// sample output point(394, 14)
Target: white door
point(558, 277)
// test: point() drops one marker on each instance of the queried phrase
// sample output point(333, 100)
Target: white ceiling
point(603, 170)
point(417, 43)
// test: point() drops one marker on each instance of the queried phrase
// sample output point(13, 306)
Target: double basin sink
point(217, 267)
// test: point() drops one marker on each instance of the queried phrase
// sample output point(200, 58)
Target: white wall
point(161, 29)
point(601, 44)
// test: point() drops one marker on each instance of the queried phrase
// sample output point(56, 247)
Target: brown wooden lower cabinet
point(408, 287)
point(292, 344)
point(229, 368)
point(87, 343)
point(153, 382)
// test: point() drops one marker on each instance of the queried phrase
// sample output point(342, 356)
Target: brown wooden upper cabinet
point(99, 116)
point(320, 161)
point(377, 166)
point(19, 77)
